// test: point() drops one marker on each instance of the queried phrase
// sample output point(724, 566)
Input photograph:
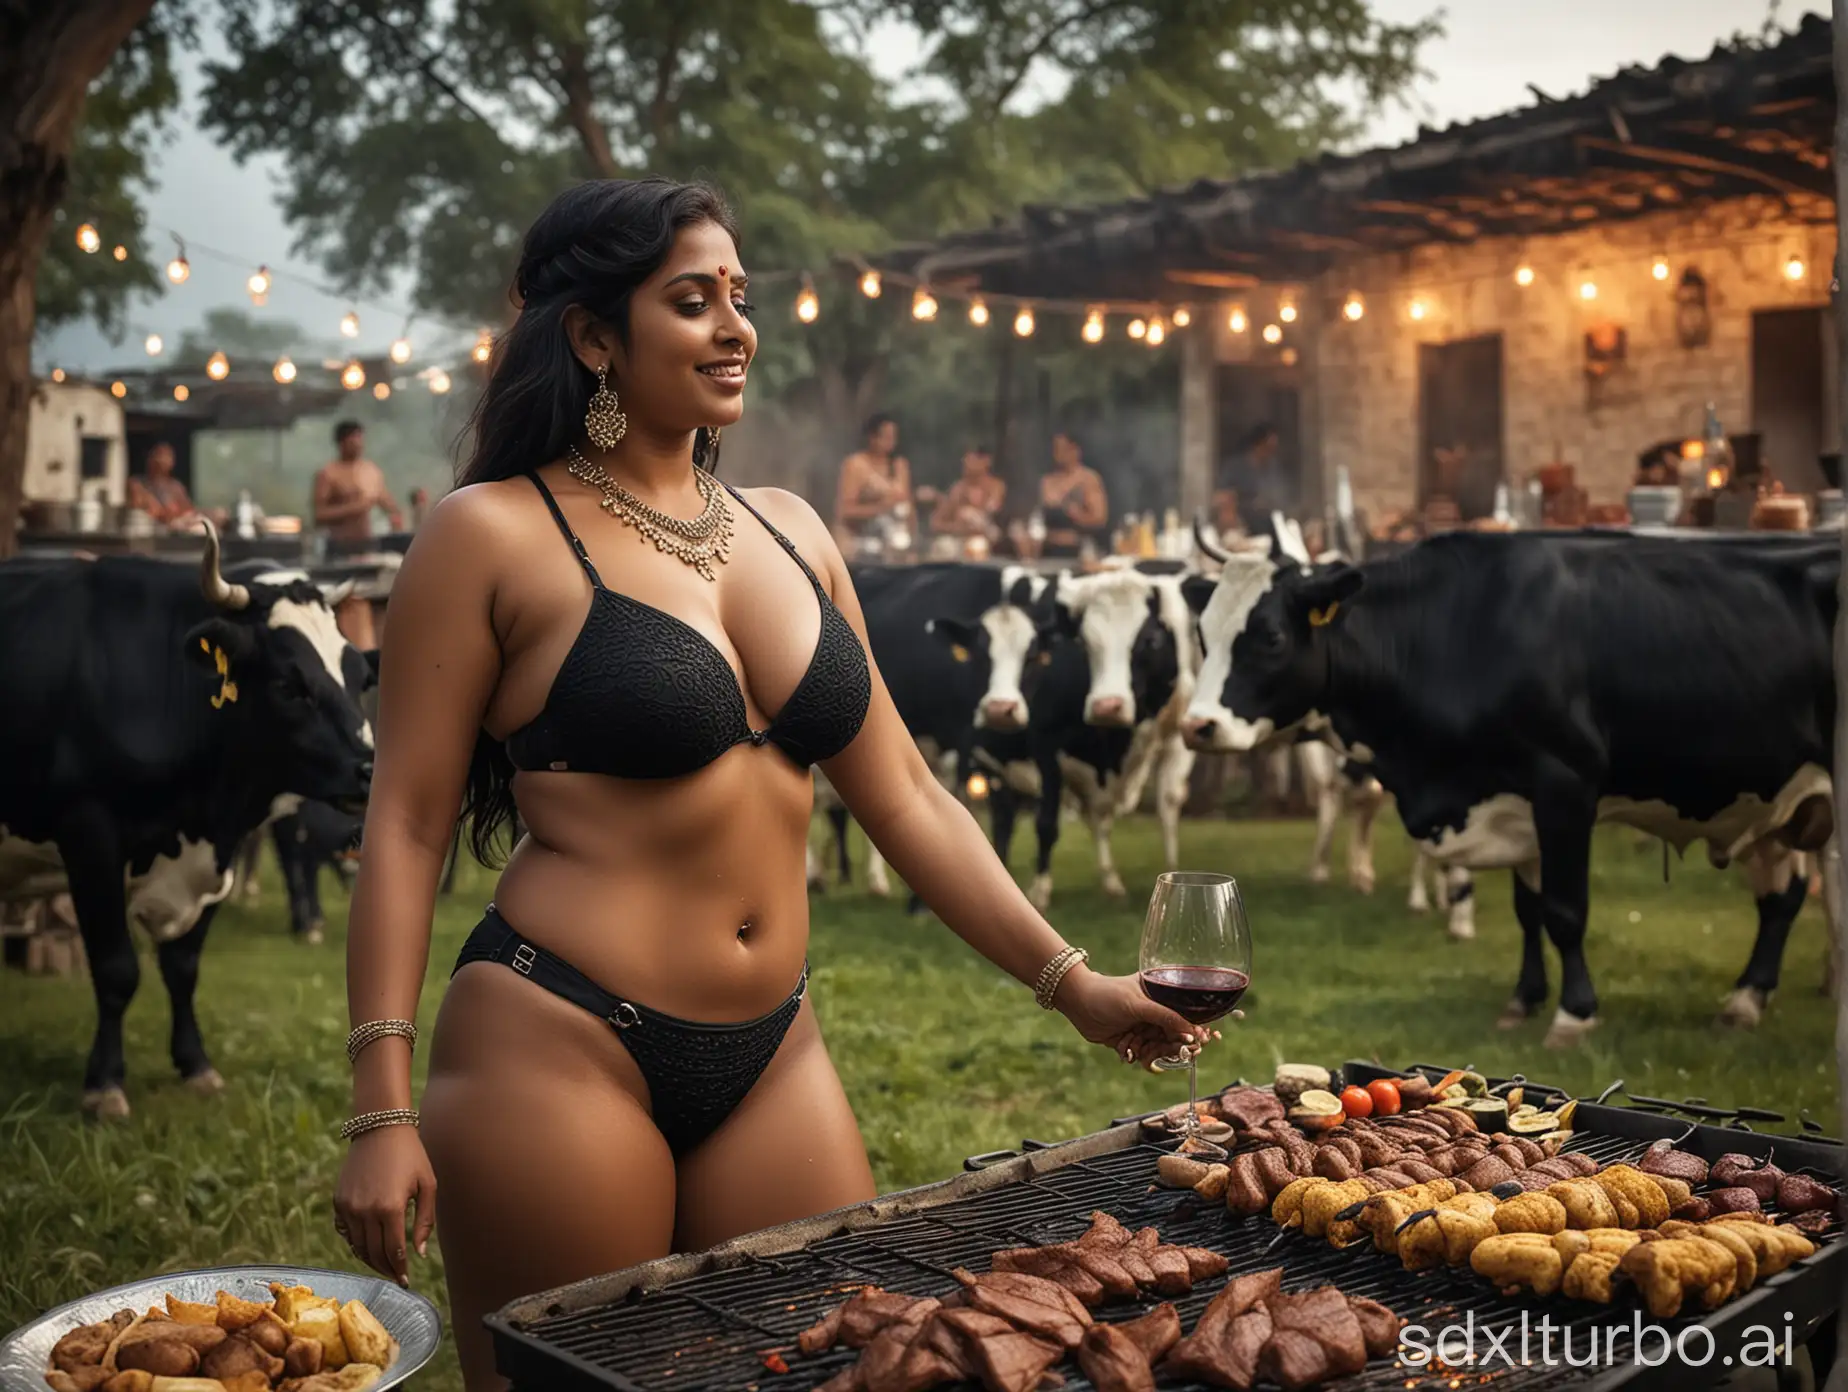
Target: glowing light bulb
point(154, 345)
point(218, 367)
point(1523, 276)
point(121, 252)
point(283, 371)
point(259, 285)
point(1794, 269)
point(869, 285)
point(1023, 322)
point(1156, 333)
point(1417, 309)
point(381, 390)
point(1287, 312)
point(89, 240)
point(1093, 331)
point(349, 325)
point(179, 269)
point(401, 350)
point(1354, 308)
point(1273, 333)
point(181, 392)
point(1138, 328)
point(1659, 268)
point(484, 347)
point(439, 381)
point(1588, 289)
point(118, 390)
point(978, 312)
point(808, 306)
point(923, 304)
point(353, 377)
point(57, 374)
point(1183, 317)
point(1237, 322)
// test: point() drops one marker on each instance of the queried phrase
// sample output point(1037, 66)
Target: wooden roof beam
point(1782, 176)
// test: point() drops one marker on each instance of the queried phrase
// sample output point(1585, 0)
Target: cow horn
point(337, 595)
point(1212, 552)
point(212, 580)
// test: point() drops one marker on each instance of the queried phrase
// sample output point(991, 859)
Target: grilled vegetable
point(1295, 1079)
point(1414, 1092)
point(1491, 1114)
point(1318, 1110)
point(1385, 1095)
point(1356, 1101)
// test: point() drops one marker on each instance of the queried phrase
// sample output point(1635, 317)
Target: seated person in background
point(1072, 499)
point(158, 493)
point(971, 504)
point(1251, 486)
point(875, 480)
point(346, 492)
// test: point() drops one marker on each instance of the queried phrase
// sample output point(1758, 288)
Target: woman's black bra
point(643, 694)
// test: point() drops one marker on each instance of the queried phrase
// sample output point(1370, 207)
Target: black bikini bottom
point(697, 1074)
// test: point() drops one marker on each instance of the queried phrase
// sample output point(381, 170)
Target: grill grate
point(712, 1330)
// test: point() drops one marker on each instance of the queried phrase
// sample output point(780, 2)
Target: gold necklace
point(699, 542)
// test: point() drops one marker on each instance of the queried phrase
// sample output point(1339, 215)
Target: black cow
point(1513, 691)
point(150, 719)
point(314, 837)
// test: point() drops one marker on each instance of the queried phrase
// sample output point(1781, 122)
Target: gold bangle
point(372, 1121)
point(1054, 972)
point(374, 1030)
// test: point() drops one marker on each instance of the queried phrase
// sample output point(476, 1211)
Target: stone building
point(1570, 283)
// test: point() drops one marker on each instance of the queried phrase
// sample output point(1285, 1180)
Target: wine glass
point(1196, 960)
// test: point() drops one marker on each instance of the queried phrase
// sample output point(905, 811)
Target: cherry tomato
point(1385, 1095)
point(1356, 1102)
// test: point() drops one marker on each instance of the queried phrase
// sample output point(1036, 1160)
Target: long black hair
point(593, 246)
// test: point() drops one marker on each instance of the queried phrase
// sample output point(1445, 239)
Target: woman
point(1073, 503)
point(875, 482)
point(626, 1062)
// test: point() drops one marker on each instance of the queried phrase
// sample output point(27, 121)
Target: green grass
point(941, 1056)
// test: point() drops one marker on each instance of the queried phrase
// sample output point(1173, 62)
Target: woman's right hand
point(385, 1170)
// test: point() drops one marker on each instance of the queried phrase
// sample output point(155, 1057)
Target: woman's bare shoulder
point(477, 523)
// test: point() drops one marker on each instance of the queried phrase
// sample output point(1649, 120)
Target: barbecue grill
point(709, 1320)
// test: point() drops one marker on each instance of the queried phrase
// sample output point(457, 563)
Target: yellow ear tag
point(959, 652)
point(1322, 618)
point(227, 690)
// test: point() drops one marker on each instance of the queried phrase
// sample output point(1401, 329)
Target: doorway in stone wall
point(1460, 452)
point(1793, 361)
point(1251, 396)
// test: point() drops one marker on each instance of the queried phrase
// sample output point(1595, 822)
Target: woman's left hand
point(1114, 1012)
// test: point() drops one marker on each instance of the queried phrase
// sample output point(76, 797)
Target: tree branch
point(1037, 49)
point(424, 63)
point(661, 105)
point(580, 111)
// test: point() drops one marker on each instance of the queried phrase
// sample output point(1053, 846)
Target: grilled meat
point(1736, 1200)
point(1114, 1362)
point(1156, 1332)
point(1379, 1326)
point(1811, 1222)
point(1662, 1158)
point(1030, 1303)
point(1800, 1194)
point(1250, 1108)
point(1744, 1172)
point(859, 1321)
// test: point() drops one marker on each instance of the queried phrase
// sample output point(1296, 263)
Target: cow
point(150, 720)
point(950, 640)
point(1513, 691)
point(1107, 684)
point(311, 838)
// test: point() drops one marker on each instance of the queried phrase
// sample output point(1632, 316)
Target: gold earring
point(604, 422)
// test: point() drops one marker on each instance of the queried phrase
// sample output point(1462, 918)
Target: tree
point(49, 55)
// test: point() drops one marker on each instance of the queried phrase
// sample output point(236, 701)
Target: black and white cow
point(1512, 691)
point(951, 641)
point(314, 837)
point(151, 718)
point(1105, 707)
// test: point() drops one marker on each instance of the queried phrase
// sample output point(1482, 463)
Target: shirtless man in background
point(346, 491)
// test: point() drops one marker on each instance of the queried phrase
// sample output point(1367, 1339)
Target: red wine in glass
point(1198, 994)
point(1196, 960)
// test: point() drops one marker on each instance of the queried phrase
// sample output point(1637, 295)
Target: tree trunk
point(49, 56)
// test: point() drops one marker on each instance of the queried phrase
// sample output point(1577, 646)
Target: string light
point(1523, 276)
point(180, 392)
point(1354, 308)
point(218, 367)
point(1287, 357)
point(1183, 317)
point(1418, 308)
point(349, 325)
point(1794, 268)
point(121, 252)
point(1659, 268)
point(439, 381)
point(354, 376)
point(179, 269)
point(1093, 331)
point(484, 346)
point(381, 390)
point(923, 304)
point(89, 240)
point(1138, 328)
point(1023, 322)
point(57, 374)
point(1273, 333)
point(259, 285)
point(978, 312)
point(869, 285)
point(1287, 312)
point(283, 371)
point(401, 350)
point(1236, 321)
point(1588, 289)
point(118, 390)
point(1156, 332)
point(808, 305)
point(153, 345)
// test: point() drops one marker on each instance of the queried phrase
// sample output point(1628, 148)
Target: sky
point(1491, 51)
